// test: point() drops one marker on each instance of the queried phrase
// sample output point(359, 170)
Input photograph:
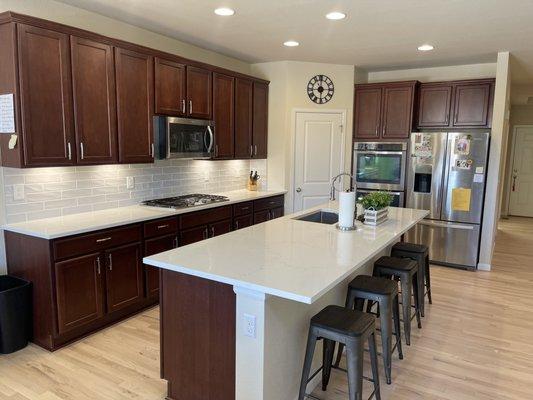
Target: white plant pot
point(373, 217)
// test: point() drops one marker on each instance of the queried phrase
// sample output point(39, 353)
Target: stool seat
point(375, 285)
point(400, 264)
point(410, 247)
point(343, 321)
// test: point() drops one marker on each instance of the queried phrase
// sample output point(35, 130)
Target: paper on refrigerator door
point(461, 198)
point(7, 113)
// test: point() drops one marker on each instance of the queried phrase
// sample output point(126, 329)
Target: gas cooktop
point(189, 200)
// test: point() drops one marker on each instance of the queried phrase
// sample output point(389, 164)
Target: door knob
point(298, 190)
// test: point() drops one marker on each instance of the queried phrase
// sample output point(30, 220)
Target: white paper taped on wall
point(7, 113)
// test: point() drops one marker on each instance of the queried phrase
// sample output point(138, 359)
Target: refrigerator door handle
point(450, 225)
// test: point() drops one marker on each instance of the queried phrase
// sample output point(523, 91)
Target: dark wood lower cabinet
point(193, 235)
point(261, 216)
point(243, 221)
point(78, 291)
point(151, 274)
point(276, 212)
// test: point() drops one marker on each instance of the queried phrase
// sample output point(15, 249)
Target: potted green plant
point(376, 207)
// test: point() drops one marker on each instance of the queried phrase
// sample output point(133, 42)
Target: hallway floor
point(475, 344)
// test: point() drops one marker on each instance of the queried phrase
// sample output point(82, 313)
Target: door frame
point(511, 166)
point(289, 202)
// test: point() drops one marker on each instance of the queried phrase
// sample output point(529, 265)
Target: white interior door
point(521, 199)
point(318, 157)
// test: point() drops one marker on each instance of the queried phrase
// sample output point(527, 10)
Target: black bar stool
point(419, 253)
point(385, 293)
point(405, 270)
point(351, 328)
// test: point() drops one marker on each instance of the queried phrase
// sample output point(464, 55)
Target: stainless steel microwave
point(183, 138)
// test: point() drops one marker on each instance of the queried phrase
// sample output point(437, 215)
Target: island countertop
point(288, 258)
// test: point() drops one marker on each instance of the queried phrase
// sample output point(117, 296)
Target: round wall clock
point(320, 89)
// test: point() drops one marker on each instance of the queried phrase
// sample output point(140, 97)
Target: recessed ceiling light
point(224, 11)
point(335, 15)
point(425, 47)
point(291, 43)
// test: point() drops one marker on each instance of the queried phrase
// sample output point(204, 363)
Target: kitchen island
point(235, 309)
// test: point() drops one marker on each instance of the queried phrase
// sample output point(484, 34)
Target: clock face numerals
point(320, 89)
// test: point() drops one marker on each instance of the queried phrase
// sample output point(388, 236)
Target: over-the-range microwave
point(183, 138)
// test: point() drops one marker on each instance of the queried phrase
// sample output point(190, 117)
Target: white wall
point(496, 170)
point(288, 91)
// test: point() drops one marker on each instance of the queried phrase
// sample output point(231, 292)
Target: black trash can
point(15, 313)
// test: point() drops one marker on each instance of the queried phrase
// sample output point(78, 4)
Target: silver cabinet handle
point(212, 231)
point(69, 149)
point(176, 242)
point(110, 257)
point(162, 226)
point(245, 208)
point(255, 150)
point(206, 234)
point(183, 106)
point(152, 150)
point(251, 151)
point(103, 239)
point(98, 266)
point(82, 151)
point(236, 224)
point(298, 190)
point(216, 150)
point(269, 217)
point(190, 106)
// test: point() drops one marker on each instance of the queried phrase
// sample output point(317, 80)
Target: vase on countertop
point(375, 217)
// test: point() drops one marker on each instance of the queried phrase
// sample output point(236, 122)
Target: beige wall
point(73, 16)
point(288, 93)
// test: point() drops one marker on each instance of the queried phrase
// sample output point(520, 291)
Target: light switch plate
point(18, 192)
point(130, 182)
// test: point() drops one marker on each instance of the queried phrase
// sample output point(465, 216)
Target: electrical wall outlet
point(249, 325)
point(130, 182)
point(18, 192)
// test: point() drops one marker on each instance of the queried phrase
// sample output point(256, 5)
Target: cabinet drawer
point(269, 202)
point(160, 227)
point(197, 218)
point(243, 208)
point(97, 241)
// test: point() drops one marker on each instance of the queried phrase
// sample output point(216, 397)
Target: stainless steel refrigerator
point(446, 175)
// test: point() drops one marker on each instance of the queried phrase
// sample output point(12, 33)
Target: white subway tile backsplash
point(68, 190)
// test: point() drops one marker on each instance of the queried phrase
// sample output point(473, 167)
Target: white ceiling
point(377, 35)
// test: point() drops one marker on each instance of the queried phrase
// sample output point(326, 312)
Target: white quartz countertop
point(292, 259)
point(52, 228)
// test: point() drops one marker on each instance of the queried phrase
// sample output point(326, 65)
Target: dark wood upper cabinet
point(260, 120)
point(434, 105)
point(472, 104)
point(367, 111)
point(243, 118)
point(79, 291)
point(123, 276)
point(134, 79)
point(93, 81)
point(170, 89)
point(397, 118)
point(199, 89)
point(45, 97)
point(223, 115)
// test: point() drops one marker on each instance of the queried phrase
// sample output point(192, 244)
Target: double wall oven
point(381, 166)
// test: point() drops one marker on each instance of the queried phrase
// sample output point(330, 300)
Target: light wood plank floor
point(477, 343)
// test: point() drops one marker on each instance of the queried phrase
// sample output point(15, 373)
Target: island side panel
point(197, 337)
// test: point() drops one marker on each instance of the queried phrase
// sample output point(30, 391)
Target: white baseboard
point(483, 267)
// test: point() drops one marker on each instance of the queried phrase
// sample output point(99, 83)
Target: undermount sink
point(320, 216)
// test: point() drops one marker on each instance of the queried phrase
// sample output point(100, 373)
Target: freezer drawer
point(449, 243)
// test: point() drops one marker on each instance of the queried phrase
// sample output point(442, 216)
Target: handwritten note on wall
point(7, 113)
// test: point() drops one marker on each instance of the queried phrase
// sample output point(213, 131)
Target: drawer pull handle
point(162, 226)
point(245, 208)
point(103, 239)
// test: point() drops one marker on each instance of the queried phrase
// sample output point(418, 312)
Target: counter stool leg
point(396, 316)
point(327, 351)
point(386, 338)
point(351, 302)
point(421, 278)
point(428, 280)
point(418, 306)
point(306, 370)
point(406, 308)
point(354, 357)
point(374, 363)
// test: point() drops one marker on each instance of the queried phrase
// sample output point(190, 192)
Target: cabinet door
point(219, 228)
point(79, 291)
point(472, 105)
point(95, 115)
point(223, 100)
point(397, 118)
point(367, 113)
point(169, 87)
point(261, 216)
point(193, 235)
point(243, 221)
point(276, 212)
point(135, 76)
point(199, 91)
point(151, 274)
point(260, 120)
point(46, 97)
point(243, 118)
point(123, 276)
point(434, 106)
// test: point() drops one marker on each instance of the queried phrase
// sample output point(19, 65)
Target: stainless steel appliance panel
point(426, 172)
point(466, 166)
point(449, 243)
point(183, 138)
